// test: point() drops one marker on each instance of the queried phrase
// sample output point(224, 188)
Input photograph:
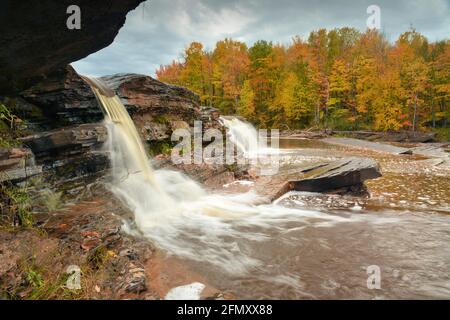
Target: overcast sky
point(158, 30)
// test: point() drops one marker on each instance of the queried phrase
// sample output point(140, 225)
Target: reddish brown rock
point(156, 108)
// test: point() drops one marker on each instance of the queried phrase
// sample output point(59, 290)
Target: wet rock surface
point(86, 234)
point(68, 159)
point(438, 153)
point(66, 141)
point(157, 108)
point(343, 176)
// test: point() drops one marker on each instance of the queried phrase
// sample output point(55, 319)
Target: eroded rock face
point(157, 108)
point(60, 100)
point(343, 173)
point(67, 141)
point(66, 159)
point(346, 176)
point(35, 40)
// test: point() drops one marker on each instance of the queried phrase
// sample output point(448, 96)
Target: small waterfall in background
point(243, 135)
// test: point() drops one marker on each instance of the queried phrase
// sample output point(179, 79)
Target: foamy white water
point(243, 135)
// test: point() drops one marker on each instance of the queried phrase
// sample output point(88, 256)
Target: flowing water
point(305, 246)
point(243, 135)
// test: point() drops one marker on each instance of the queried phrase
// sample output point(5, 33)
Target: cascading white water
point(178, 215)
point(243, 135)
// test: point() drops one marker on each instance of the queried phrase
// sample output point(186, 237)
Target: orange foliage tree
point(340, 78)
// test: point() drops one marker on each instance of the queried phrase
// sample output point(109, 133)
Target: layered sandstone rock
point(157, 108)
point(60, 100)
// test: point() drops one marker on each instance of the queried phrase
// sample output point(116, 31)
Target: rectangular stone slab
point(322, 177)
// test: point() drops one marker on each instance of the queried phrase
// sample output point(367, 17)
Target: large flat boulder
point(438, 153)
point(321, 177)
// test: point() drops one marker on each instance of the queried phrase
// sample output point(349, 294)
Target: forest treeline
point(340, 79)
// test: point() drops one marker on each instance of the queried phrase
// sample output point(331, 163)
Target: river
point(403, 228)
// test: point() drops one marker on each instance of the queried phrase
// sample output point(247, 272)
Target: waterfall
point(133, 157)
point(243, 135)
point(176, 213)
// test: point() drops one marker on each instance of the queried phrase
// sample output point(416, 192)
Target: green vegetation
point(98, 257)
point(8, 128)
point(443, 134)
point(16, 205)
point(160, 147)
point(161, 119)
point(50, 200)
point(41, 283)
point(7, 117)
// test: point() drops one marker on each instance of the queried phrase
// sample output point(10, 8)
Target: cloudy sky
point(158, 30)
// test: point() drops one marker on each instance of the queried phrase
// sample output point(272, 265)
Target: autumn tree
point(388, 102)
point(414, 75)
point(230, 68)
point(246, 105)
point(170, 73)
point(366, 89)
point(261, 78)
point(440, 83)
point(340, 88)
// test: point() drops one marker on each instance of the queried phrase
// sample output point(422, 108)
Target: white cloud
point(158, 30)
